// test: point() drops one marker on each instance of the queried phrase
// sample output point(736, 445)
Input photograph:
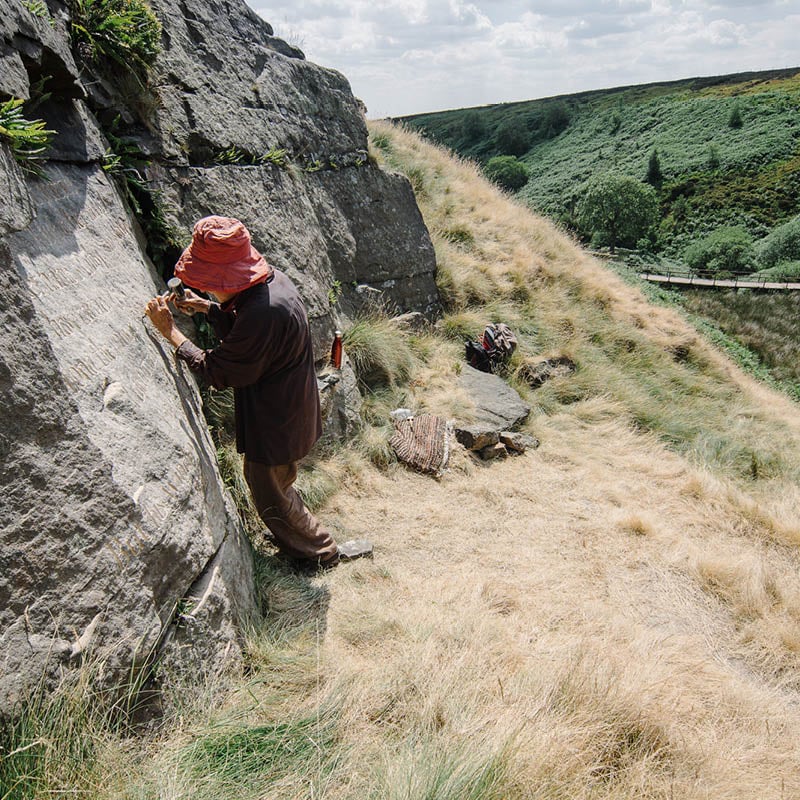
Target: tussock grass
point(319, 480)
point(379, 354)
point(637, 524)
point(436, 771)
point(58, 740)
point(50, 746)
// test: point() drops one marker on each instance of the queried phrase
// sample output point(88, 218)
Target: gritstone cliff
point(118, 541)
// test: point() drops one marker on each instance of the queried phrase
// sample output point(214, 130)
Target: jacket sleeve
point(242, 358)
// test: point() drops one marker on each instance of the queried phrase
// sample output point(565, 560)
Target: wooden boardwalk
point(735, 283)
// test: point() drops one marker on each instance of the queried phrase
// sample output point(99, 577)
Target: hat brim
point(231, 277)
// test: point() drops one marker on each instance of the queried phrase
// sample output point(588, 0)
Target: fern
point(124, 32)
point(28, 139)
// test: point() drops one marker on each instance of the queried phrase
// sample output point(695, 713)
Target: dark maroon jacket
point(265, 355)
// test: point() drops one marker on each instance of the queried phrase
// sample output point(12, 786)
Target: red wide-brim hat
point(221, 258)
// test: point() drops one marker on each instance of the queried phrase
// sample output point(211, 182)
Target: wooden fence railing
point(725, 280)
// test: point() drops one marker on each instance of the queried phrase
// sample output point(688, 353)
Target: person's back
point(265, 354)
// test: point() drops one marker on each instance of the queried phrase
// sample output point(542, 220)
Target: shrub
point(125, 32)
point(28, 139)
point(507, 171)
point(727, 249)
point(680, 208)
point(617, 209)
point(512, 138)
point(781, 244)
point(785, 271)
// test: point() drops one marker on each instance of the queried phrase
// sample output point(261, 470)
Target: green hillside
point(716, 161)
point(728, 148)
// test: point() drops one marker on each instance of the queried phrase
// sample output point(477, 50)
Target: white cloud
point(406, 56)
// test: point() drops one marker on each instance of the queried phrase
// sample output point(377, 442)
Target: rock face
point(118, 542)
point(327, 216)
point(325, 229)
point(113, 513)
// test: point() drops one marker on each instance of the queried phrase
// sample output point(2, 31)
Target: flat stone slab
point(497, 405)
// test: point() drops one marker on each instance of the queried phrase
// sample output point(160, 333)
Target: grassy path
point(597, 611)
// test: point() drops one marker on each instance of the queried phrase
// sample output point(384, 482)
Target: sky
point(410, 56)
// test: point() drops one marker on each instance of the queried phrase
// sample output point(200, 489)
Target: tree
point(617, 209)
point(780, 244)
point(473, 127)
point(654, 175)
point(556, 119)
point(512, 138)
point(728, 249)
point(507, 171)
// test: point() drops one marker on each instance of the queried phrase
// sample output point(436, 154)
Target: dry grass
point(604, 664)
point(518, 637)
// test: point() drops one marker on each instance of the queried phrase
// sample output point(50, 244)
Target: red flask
point(336, 350)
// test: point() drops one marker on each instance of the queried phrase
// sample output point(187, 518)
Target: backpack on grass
point(495, 348)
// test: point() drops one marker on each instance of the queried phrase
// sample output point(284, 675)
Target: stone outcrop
point(118, 541)
point(497, 410)
point(327, 216)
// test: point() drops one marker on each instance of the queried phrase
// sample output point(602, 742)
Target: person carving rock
point(265, 354)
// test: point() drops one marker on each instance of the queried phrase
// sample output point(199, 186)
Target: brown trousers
point(296, 530)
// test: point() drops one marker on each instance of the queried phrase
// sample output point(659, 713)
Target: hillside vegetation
point(728, 148)
point(717, 160)
point(614, 615)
